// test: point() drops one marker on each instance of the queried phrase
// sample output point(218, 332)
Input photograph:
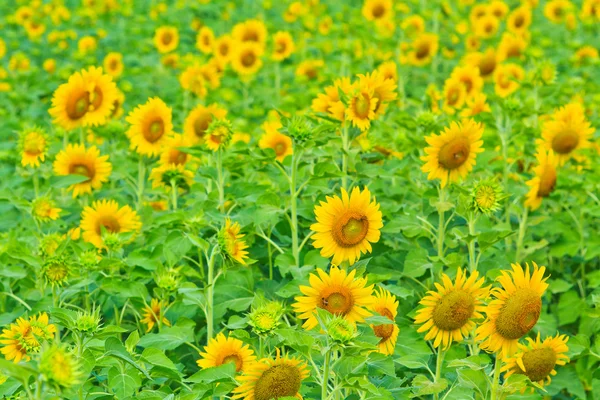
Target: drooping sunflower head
point(60, 367)
point(273, 139)
point(338, 292)
point(222, 350)
point(544, 181)
point(105, 217)
point(538, 359)
point(283, 46)
point(166, 39)
point(451, 154)
point(386, 305)
point(514, 310)
point(168, 175)
point(449, 314)
point(75, 159)
point(154, 313)
point(199, 119)
point(151, 126)
point(231, 243)
point(347, 226)
point(34, 146)
point(269, 379)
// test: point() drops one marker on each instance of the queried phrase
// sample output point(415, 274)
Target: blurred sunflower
point(44, 209)
point(60, 367)
point(222, 350)
point(245, 59)
point(252, 30)
point(486, 27)
point(361, 107)
point(515, 309)
point(544, 181)
point(511, 46)
point(171, 153)
point(422, 50)
point(283, 46)
point(205, 40)
point(106, 215)
point(192, 79)
point(151, 127)
point(454, 95)
point(476, 105)
point(272, 139)
point(77, 160)
point(338, 292)
point(386, 305)
point(167, 175)
point(113, 64)
point(469, 76)
point(153, 313)
point(519, 20)
point(486, 62)
point(384, 90)
point(70, 103)
point(199, 119)
point(222, 48)
point(347, 226)
point(507, 78)
point(34, 146)
point(166, 39)
point(377, 10)
point(557, 10)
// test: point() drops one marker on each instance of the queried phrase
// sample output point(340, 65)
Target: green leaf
point(221, 373)
point(570, 307)
point(59, 182)
point(158, 358)
point(416, 263)
point(170, 337)
point(422, 385)
point(123, 382)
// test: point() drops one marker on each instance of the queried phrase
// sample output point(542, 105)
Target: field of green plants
point(314, 199)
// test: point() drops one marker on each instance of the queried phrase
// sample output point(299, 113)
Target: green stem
point(441, 231)
point(472, 259)
point(522, 229)
point(210, 295)
point(277, 81)
point(36, 184)
point(325, 375)
point(496, 379)
point(294, 208)
point(81, 136)
point(220, 181)
point(141, 182)
point(174, 194)
point(345, 150)
point(438, 367)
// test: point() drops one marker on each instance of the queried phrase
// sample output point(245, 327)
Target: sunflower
point(507, 78)
point(60, 367)
point(330, 102)
point(519, 20)
point(486, 62)
point(361, 107)
point(43, 209)
point(198, 120)
point(272, 139)
point(24, 337)
point(106, 215)
point(283, 46)
point(556, 10)
point(252, 30)
point(486, 26)
point(448, 314)
point(166, 39)
point(153, 313)
point(270, 378)
point(413, 25)
point(205, 40)
point(222, 350)
point(514, 310)
point(231, 242)
point(498, 8)
point(567, 131)
point(245, 59)
point(347, 226)
point(544, 182)
point(454, 95)
point(309, 69)
point(192, 79)
point(384, 90)
point(113, 64)
point(167, 175)
point(377, 10)
point(423, 49)
point(452, 153)
point(223, 48)
point(476, 105)
point(34, 146)
point(586, 53)
point(70, 103)
point(338, 292)
point(171, 153)
point(102, 95)
point(511, 46)
point(151, 126)
point(471, 79)
point(386, 305)
point(537, 359)
point(77, 160)
point(389, 70)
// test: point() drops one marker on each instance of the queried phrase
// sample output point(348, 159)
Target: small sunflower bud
point(56, 271)
point(486, 196)
point(265, 318)
point(88, 321)
point(340, 329)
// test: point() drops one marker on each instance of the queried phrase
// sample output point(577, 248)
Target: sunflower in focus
point(377, 10)
point(24, 337)
point(283, 46)
point(514, 310)
point(537, 360)
point(245, 59)
point(567, 131)
point(452, 153)
point(153, 313)
point(222, 350)
point(151, 126)
point(384, 90)
point(166, 39)
point(449, 313)
point(34, 146)
point(231, 242)
point(272, 379)
point(102, 95)
point(544, 181)
point(507, 78)
point(199, 119)
point(77, 160)
point(106, 215)
point(113, 64)
point(70, 103)
point(386, 305)
point(272, 139)
point(361, 107)
point(205, 40)
point(347, 226)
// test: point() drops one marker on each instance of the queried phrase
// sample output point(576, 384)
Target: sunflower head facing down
point(151, 127)
point(347, 226)
point(269, 379)
point(338, 292)
point(222, 350)
point(77, 160)
point(451, 154)
point(449, 313)
point(106, 215)
point(544, 181)
point(514, 310)
point(538, 359)
point(386, 305)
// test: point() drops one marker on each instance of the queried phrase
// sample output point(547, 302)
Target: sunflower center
point(201, 124)
point(167, 38)
point(81, 169)
point(454, 153)
point(384, 331)
point(350, 229)
point(96, 98)
point(378, 11)
point(519, 314)
point(250, 36)
point(280, 148)
point(453, 96)
point(177, 157)
point(337, 303)
point(33, 145)
point(422, 50)
point(224, 49)
point(110, 223)
point(539, 363)
point(513, 51)
point(248, 59)
point(77, 107)
point(154, 131)
point(453, 310)
point(485, 196)
point(519, 21)
point(547, 182)
point(487, 66)
point(280, 47)
point(278, 381)
point(565, 141)
point(362, 105)
point(234, 359)
point(113, 64)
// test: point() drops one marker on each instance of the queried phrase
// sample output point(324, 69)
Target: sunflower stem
point(36, 184)
point(210, 295)
point(174, 194)
point(277, 82)
point(441, 231)
point(325, 375)
point(345, 150)
point(81, 136)
point(220, 181)
point(522, 229)
point(472, 259)
point(294, 208)
point(496, 379)
point(438, 367)
point(141, 181)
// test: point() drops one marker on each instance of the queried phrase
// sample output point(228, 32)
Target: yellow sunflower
point(454, 95)
point(272, 379)
point(167, 175)
point(34, 146)
point(44, 209)
point(70, 103)
point(245, 59)
point(519, 20)
point(153, 313)
point(448, 314)
point(377, 10)
point(222, 350)
point(386, 305)
point(330, 102)
point(537, 360)
point(252, 30)
point(205, 40)
point(514, 310)
point(151, 126)
point(511, 46)
point(24, 337)
point(486, 26)
point(347, 226)
point(338, 292)
point(231, 242)
point(544, 181)
point(507, 78)
point(102, 95)
point(389, 70)
point(77, 160)
point(192, 79)
point(486, 62)
point(166, 39)
point(476, 105)
point(423, 49)
point(171, 153)
point(471, 79)
point(557, 10)
point(273, 139)
point(361, 107)
point(113, 64)
point(198, 120)
point(384, 90)
point(567, 131)
point(452, 153)
point(106, 214)
point(223, 47)
point(283, 46)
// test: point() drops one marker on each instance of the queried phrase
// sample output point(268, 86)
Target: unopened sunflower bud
point(340, 329)
point(486, 196)
point(56, 271)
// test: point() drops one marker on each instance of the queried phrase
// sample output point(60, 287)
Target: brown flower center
point(248, 59)
point(519, 314)
point(34, 144)
point(454, 153)
point(77, 106)
point(565, 142)
point(111, 224)
point(82, 169)
point(362, 105)
point(547, 182)
point(487, 65)
point(96, 98)
point(453, 96)
point(280, 148)
point(250, 36)
point(177, 157)
point(339, 302)
point(167, 38)
point(519, 21)
point(384, 331)
point(278, 381)
point(422, 50)
point(378, 11)
point(234, 359)
point(350, 229)
point(453, 310)
point(154, 130)
point(539, 363)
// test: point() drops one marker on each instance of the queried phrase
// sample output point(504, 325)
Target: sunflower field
point(313, 199)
